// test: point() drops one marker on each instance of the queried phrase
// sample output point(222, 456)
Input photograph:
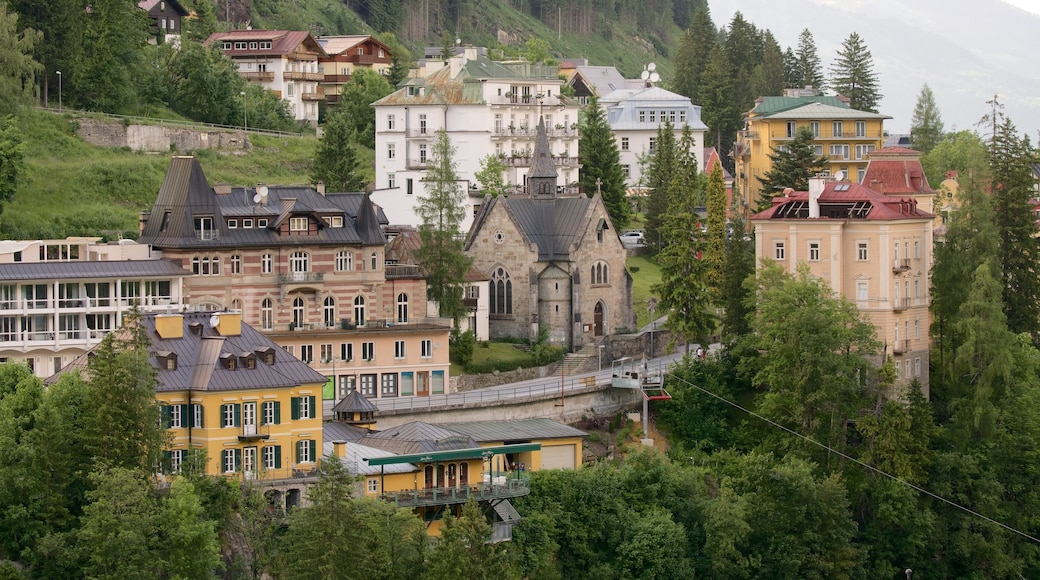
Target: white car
point(632, 238)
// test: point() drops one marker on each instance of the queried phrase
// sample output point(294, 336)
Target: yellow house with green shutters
point(224, 389)
point(842, 135)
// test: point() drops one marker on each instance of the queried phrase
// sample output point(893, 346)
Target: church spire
point(541, 181)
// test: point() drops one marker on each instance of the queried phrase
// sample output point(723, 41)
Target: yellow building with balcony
point(844, 136)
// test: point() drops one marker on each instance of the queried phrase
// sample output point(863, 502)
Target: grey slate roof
point(101, 269)
point(418, 437)
point(552, 224)
point(517, 429)
point(355, 402)
point(185, 194)
point(337, 431)
point(356, 460)
point(542, 164)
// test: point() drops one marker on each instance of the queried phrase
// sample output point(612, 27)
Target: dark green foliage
point(691, 58)
point(807, 70)
point(206, 85)
point(853, 76)
point(12, 159)
point(19, 71)
point(792, 167)
point(464, 551)
point(721, 109)
point(366, 87)
point(926, 127)
point(740, 263)
point(715, 246)
point(962, 152)
point(460, 346)
point(601, 165)
point(336, 160)
point(658, 175)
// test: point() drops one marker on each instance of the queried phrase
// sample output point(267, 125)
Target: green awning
point(438, 456)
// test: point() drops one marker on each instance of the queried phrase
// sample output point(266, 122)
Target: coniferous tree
point(853, 76)
point(926, 127)
point(660, 170)
point(336, 161)
point(721, 113)
point(768, 77)
point(792, 167)
point(715, 246)
point(808, 70)
point(691, 58)
point(442, 211)
point(743, 47)
point(1011, 159)
point(601, 163)
point(18, 74)
point(12, 159)
point(740, 263)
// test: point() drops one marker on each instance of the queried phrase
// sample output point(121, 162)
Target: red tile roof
point(896, 171)
point(282, 41)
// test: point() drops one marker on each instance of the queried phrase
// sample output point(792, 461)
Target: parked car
point(632, 238)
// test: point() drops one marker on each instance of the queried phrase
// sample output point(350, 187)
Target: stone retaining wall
point(157, 138)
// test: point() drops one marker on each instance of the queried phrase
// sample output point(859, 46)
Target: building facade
point(486, 108)
point(307, 269)
point(167, 18)
point(345, 54)
point(283, 61)
point(59, 298)
point(844, 136)
point(874, 249)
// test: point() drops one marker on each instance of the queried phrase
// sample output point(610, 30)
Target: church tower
point(541, 181)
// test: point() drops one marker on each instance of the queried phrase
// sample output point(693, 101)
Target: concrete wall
point(157, 138)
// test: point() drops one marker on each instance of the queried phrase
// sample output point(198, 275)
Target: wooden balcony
point(303, 76)
point(259, 76)
point(311, 96)
point(337, 79)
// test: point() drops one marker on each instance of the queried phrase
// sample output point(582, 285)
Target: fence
point(174, 122)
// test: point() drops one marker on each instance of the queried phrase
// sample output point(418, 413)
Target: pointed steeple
point(367, 225)
point(541, 181)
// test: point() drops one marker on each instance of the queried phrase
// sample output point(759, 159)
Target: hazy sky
point(1029, 5)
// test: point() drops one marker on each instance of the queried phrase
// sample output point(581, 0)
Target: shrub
point(460, 347)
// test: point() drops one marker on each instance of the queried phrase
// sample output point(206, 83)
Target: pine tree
point(768, 77)
point(926, 127)
point(721, 113)
point(336, 161)
point(853, 76)
point(1011, 158)
point(18, 74)
point(660, 170)
point(442, 211)
point(691, 59)
point(715, 249)
point(791, 167)
point(809, 71)
point(601, 164)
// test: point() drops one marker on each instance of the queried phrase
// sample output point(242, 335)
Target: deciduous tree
point(366, 86)
point(853, 76)
point(490, 176)
point(12, 159)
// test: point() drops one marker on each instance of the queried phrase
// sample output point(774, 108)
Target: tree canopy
point(792, 166)
point(853, 76)
point(601, 164)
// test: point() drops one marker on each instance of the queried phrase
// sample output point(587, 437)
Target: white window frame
point(426, 348)
point(399, 349)
point(814, 251)
point(298, 224)
point(862, 252)
point(779, 250)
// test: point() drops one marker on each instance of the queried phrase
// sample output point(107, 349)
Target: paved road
point(541, 388)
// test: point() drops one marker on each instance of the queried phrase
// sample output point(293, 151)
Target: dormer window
point(336, 221)
point(167, 360)
point(228, 361)
point(247, 360)
point(195, 328)
point(266, 354)
point(298, 224)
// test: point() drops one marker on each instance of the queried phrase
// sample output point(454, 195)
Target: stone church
point(554, 260)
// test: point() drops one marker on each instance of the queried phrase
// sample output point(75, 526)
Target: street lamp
point(59, 91)
point(245, 113)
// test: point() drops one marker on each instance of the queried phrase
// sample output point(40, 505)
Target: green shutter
point(313, 409)
point(295, 409)
point(185, 417)
point(238, 415)
point(261, 418)
point(223, 415)
point(314, 446)
point(277, 454)
point(167, 461)
point(167, 416)
point(278, 413)
point(238, 459)
point(298, 447)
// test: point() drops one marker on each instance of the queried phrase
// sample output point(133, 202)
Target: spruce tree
point(853, 76)
point(808, 70)
point(791, 167)
point(658, 175)
point(691, 59)
point(739, 264)
point(769, 77)
point(715, 248)
point(926, 127)
point(601, 163)
point(442, 211)
point(335, 161)
point(721, 113)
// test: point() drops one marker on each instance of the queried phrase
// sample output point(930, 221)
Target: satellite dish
point(651, 67)
point(261, 190)
point(645, 75)
point(256, 198)
point(654, 77)
point(839, 176)
point(214, 320)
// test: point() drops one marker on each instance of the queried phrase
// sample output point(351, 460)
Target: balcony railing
point(303, 76)
point(337, 79)
point(259, 76)
point(561, 131)
point(900, 264)
point(402, 271)
point(254, 432)
point(301, 277)
point(469, 303)
point(900, 304)
point(901, 346)
point(421, 133)
point(417, 164)
point(560, 190)
point(311, 96)
point(504, 489)
point(525, 161)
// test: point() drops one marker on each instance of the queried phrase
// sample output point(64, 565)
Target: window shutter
point(223, 416)
point(238, 416)
point(262, 414)
point(185, 417)
point(313, 410)
point(313, 445)
point(167, 461)
point(238, 459)
point(298, 444)
point(167, 416)
point(295, 409)
point(277, 453)
point(277, 414)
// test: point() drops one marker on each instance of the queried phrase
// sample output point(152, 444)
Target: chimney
point(142, 220)
point(816, 185)
point(877, 185)
point(339, 449)
point(321, 187)
point(169, 325)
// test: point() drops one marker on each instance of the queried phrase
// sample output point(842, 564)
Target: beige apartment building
point(873, 248)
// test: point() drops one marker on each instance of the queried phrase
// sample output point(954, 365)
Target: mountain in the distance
point(966, 50)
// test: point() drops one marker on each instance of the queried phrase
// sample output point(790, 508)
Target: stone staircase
point(582, 361)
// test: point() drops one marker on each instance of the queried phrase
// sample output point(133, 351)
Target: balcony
point(420, 133)
point(900, 304)
point(900, 265)
point(469, 303)
point(303, 76)
point(560, 190)
point(301, 277)
point(311, 96)
point(259, 76)
point(749, 134)
point(503, 489)
point(525, 161)
point(368, 59)
point(402, 271)
point(337, 79)
point(416, 164)
point(901, 346)
point(254, 432)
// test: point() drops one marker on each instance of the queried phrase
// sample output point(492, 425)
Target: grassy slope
point(74, 188)
point(649, 274)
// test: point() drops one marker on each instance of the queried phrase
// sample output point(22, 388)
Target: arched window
point(599, 273)
point(359, 311)
point(298, 313)
point(402, 308)
point(463, 474)
point(330, 312)
point(236, 305)
point(375, 261)
point(266, 314)
point(501, 292)
point(300, 262)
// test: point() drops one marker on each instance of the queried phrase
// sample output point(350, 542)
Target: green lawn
point(649, 274)
point(502, 351)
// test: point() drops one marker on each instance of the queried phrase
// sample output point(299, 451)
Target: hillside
point(73, 188)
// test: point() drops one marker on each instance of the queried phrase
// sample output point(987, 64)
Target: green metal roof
point(772, 105)
point(437, 456)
